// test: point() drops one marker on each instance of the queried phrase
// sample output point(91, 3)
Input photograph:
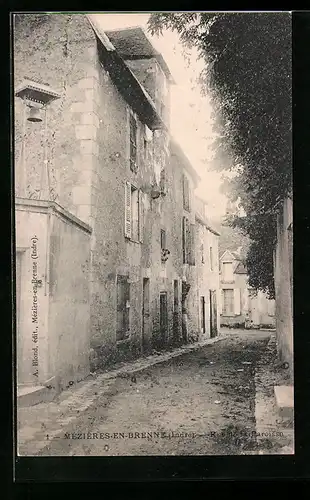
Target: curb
point(267, 419)
point(155, 359)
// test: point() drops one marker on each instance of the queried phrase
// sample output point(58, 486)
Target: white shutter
point(237, 304)
point(128, 210)
point(221, 301)
point(140, 201)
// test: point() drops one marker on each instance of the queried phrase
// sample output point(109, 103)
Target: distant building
point(240, 305)
point(207, 262)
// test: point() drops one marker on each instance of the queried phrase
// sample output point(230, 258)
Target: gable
point(228, 255)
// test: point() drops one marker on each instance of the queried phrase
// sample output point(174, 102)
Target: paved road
point(200, 403)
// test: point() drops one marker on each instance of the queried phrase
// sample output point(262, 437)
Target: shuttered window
point(185, 239)
point(228, 302)
point(186, 200)
point(202, 256)
point(128, 210)
point(192, 245)
point(211, 259)
point(188, 241)
point(133, 213)
point(122, 308)
point(163, 245)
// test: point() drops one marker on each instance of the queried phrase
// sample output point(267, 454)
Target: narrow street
point(199, 403)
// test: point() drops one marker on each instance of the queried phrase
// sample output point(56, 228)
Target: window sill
point(228, 282)
point(133, 241)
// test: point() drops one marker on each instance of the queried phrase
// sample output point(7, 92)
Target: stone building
point(105, 211)
point(207, 269)
point(240, 305)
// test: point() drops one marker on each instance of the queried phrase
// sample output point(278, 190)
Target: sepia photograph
point(153, 202)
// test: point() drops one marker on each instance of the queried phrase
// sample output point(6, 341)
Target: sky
point(190, 120)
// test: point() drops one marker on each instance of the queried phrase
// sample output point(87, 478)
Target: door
point(203, 315)
point(163, 318)
point(122, 308)
point(145, 313)
point(176, 310)
point(185, 291)
point(213, 314)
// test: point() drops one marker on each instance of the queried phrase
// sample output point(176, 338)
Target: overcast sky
point(190, 113)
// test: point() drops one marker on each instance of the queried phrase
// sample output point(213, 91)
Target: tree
point(247, 72)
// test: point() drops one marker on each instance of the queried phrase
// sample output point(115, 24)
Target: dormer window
point(227, 270)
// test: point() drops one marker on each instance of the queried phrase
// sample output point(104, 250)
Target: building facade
point(240, 305)
point(207, 268)
point(105, 208)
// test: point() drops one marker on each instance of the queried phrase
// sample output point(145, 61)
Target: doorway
point(185, 291)
point(145, 314)
point(203, 315)
point(176, 311)
point(163, 318)
point(213, 314)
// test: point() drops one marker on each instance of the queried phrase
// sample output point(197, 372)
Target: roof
point(176, 150)
point(240, 268)
point(133, 43)
point(229, 252)
point(205, 223)
point(125, 80)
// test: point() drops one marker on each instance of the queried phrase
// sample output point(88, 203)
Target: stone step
point(284, 395)
point(33, 395)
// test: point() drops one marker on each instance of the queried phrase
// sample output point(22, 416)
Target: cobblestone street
point(199, 403)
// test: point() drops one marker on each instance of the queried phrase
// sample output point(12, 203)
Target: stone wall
point(284, 282)
point(60, 51)
point(53, 315)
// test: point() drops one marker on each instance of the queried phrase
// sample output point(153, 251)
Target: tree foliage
point(247, 72)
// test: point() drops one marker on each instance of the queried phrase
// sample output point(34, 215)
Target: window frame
point(224, 280)
point(129, 189)
point(231, 311)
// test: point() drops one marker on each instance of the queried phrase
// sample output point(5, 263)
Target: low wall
point(53, 322)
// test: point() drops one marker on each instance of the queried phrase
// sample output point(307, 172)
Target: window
point(211, 258)
point(122, 308)
point(227, 269)
point(163, 239)
point(202, 254)
point(175, 296)
point(188, 242)
point(186, 200)
point(228, 302)
point(192, 245)
point(133, 142)
point(133, 213)
point(162, 181)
